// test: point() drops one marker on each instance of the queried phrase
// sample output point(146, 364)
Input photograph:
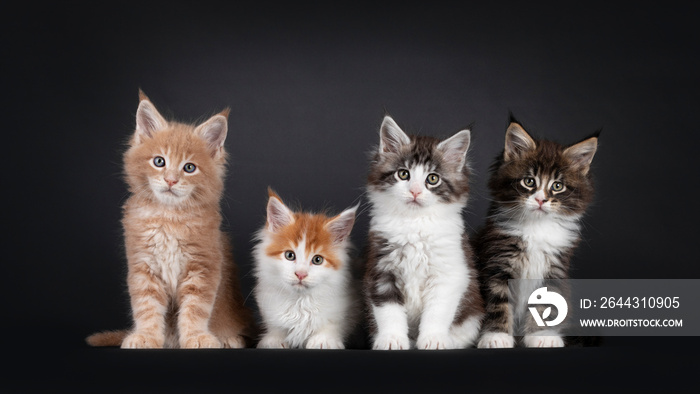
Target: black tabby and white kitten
point(540, 191)
point(420, 282)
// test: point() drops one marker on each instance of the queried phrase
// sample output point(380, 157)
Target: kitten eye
point(289, 255)
point(159, 161)
point(557, 186)
point(529, 182)
point(404, 175)
point(433, 179)
point(189, 167)
point(317, 260)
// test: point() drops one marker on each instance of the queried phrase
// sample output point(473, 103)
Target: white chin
point(169, 198)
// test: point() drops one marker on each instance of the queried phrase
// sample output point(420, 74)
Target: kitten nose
point(301, 275)
point(540, 200)
point(415, 190)
point(171, 181)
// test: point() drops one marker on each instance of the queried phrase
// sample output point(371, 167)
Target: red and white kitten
point(181, 276)
point(304, 291)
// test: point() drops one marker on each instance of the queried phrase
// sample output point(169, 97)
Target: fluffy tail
point(107, 338)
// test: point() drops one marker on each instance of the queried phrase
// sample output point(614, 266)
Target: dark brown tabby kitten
point(540, 191)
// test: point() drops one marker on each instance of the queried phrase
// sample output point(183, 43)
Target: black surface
point(308, 85)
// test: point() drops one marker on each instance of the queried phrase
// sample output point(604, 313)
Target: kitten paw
point(202, 340)
point(434, 341)
point(235, 342)
point(142, 341)
point(496, 340)
point(543, 341)
point(391, 342)
point(323, 341)
point(270, 341)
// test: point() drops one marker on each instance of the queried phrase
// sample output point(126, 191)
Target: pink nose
point(415, 194)
point(301, 275)
point(171, 182)
point(540, 201)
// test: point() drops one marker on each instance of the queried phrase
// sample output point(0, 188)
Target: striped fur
point(420, 284)
point(181, 276)
point(531, 231)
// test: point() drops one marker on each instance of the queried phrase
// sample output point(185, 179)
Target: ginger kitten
point(181, 275)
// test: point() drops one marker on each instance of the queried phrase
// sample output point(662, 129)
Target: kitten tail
point(107, 338)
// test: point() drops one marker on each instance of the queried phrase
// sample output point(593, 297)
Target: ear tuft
point(148, 120)
point(518, 142)
point(278, 215)
point(391, 137)
point(213, 132)
point(454, 149)
point(581, 154)
point(340, 226)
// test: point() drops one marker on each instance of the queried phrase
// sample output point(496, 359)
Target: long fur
point(304, 304)
point(420, 283)
point(182, 280)
point(531, 231)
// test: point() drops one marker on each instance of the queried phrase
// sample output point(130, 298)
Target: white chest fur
point(168, 257)
point(426, 251)
point(544, 239)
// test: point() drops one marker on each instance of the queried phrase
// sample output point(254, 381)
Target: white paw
point(434, 341)
point(496, 340)
point(543, 341)
point(323, 341)
point(272, 341)
point(391, 342)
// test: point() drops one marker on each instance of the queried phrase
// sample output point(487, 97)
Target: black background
point(308, 85)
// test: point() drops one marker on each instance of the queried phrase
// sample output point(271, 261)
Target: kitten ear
point(340, 226)
point(278, 215)
point(391, 137)
point(518, 141)
point(214, 131)
point(581, 155)
point(454, 149)
point(148, 119)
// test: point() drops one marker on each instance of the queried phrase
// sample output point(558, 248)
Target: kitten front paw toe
point(496, 340)
point(434, 342)
point(543, 341)
point(391, 342)
point(142, 341)
point(272, 342)
point(202, 340)
point(235, 342)
point(324, 342)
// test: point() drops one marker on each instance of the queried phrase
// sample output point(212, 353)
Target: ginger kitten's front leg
point(196, 295)
point(149, 302)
